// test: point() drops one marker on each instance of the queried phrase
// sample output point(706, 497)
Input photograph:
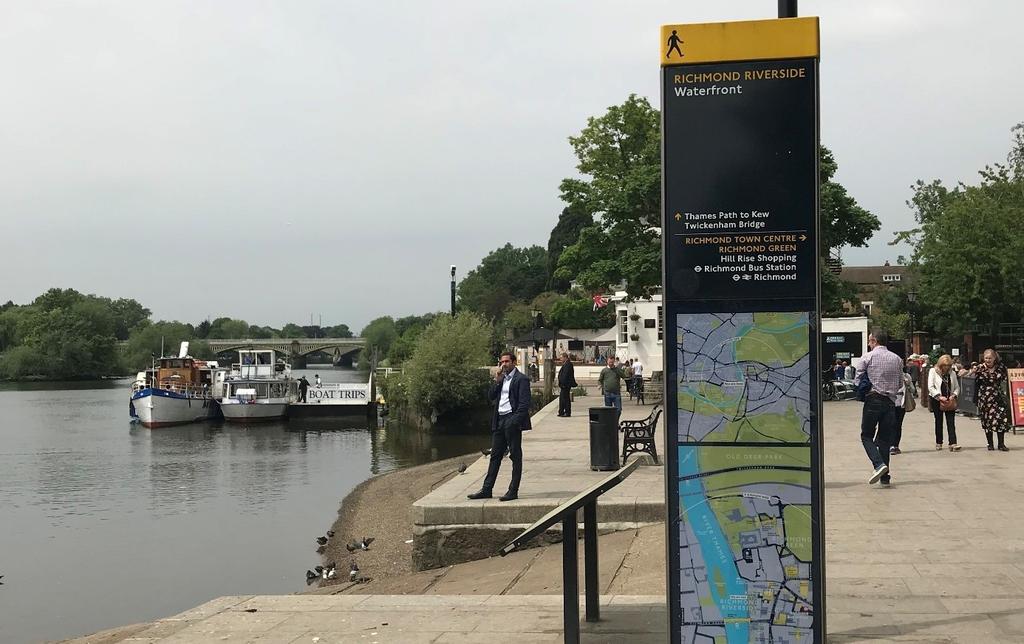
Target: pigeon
point(320, 549)
point(353, 566)
point(352, 547)
point(363, 580)
point(462, 468)
point(319, 569)
point(322, 541)
point(365, 543)
point(331, 573)
point(330, 534)
point(310, 575)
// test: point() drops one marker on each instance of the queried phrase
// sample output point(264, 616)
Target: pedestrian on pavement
point(884, 371)
point(638, 379)
point(317, 376)
point(611, 378)
point(848, 371)
point(943, 391)
point(566, 381)
point(993, 406)
point(303, 388)
point(838, 371)
point(904, 403)
point(510, 394)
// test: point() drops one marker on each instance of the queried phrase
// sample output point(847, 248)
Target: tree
point(577, 312)
point(63, 334)
point(222, 328)
point(155, 341)
point(619, 155)
point(379, 334)
point(128, 316)
point(967, 247)
point(338, 331)
point(292, 330)
point(444, 373)
point(566, 232)
point(505, 275)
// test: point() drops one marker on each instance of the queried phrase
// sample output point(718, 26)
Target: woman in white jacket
point(944, 387)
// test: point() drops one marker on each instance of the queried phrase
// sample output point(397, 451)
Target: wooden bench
point(638, 435)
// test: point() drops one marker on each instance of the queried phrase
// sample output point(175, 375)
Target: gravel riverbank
point(381, 508)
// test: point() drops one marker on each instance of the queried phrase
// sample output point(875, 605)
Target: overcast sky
point(272, 160)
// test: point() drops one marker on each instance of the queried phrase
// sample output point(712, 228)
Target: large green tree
point(566, 232)
point(967, 247)
point(505, 275)
point(619, 158)
point(62, 334)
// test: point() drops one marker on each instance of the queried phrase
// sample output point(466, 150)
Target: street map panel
point(745, 544)
point(743, 377)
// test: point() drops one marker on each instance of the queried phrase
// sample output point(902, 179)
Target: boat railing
point(187, 389)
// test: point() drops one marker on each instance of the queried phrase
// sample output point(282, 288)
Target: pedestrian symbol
point(673, 43)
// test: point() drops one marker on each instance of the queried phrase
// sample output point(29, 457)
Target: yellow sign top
point(714, 42)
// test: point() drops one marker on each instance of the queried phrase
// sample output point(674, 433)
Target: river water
point(104, 522)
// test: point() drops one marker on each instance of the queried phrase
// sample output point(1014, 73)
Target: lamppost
point(911, 298)
point(453, 290)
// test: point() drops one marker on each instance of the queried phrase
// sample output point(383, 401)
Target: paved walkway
point(937, 558)
point(556, 468)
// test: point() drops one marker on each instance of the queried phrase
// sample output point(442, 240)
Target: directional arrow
point(803, 237)
point(678, 216)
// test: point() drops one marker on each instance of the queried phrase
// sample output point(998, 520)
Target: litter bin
point(604, 439)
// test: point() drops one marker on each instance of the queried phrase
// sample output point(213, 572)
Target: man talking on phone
point(510, 392)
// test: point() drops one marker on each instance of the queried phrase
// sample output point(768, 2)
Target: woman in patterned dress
point(991, 379)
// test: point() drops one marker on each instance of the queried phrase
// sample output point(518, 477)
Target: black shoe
point(1003, 448)
point(482, 494)
point(509, 496)
point(991, 448)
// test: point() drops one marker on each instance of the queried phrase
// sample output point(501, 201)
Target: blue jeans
point(881, 412)
point(613, 400)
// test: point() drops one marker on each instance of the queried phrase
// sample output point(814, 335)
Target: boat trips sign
point(743, 471)
point(338, 394)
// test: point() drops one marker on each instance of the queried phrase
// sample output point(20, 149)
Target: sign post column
point(742, 357)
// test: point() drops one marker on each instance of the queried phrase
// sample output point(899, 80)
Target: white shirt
point(638, 368)
point(504, 404)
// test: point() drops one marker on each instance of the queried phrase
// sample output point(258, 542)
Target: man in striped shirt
point(884, 369)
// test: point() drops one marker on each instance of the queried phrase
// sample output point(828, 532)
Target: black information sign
point(742, 332)
point(740, 189)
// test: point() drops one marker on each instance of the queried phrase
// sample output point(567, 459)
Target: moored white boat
point(259, 387)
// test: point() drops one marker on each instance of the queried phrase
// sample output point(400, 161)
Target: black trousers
point(950, 424)
point(506, 437)
point(564, 401)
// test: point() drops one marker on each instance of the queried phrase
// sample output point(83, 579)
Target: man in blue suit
point(511, 394)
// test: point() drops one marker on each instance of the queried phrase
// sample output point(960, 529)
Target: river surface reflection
point(104, 522)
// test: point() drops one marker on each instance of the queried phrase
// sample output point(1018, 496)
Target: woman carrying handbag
point(943, 391)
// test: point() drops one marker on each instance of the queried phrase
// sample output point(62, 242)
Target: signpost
point(741, 284)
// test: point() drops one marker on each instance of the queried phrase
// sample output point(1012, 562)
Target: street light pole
point(453, 290)
point(787, 8)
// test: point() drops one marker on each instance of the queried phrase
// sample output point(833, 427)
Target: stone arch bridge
point(342, 350)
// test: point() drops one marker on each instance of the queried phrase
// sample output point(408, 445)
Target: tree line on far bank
point(64, 334)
